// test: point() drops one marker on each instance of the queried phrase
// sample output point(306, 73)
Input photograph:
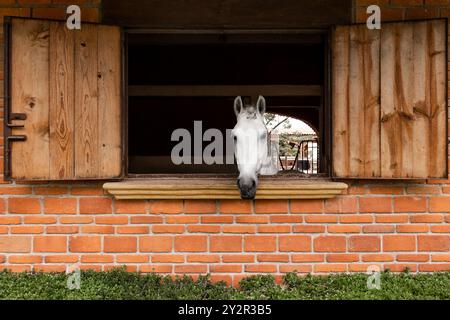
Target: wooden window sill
point(222, 188)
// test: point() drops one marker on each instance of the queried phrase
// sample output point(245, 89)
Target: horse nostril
point(253, 183)
point(239, 182)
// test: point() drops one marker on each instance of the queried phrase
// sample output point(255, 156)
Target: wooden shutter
point(67, 83)
point(389, 100)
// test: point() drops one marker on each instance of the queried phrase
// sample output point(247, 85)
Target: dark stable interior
point(152, 61)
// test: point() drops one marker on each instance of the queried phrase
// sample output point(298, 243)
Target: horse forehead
point(249, 127)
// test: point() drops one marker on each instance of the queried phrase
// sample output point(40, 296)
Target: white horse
point(251, 146)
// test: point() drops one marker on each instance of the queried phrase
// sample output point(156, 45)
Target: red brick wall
point(393, 225)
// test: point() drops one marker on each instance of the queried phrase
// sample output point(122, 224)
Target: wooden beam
point(225, 91)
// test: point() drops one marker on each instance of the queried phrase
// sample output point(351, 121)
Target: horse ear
point(238, 105)
point(261, 105)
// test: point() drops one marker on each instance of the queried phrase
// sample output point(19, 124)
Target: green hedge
point(118, 284)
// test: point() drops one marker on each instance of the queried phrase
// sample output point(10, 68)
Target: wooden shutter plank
point(391, 142)
point(341, 45)
point(438, 143)
point(86, 103)
point(356, 102)
point(30, 95)
point(109, 100)
point(421, 101)
point(371, 71)
point(61, 101)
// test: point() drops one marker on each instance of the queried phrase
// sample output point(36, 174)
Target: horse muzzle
point(247, 188)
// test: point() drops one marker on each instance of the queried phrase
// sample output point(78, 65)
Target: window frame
point(324, 109)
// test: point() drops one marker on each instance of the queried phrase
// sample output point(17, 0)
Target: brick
point(297, 268)
point(433, 242)
point(341, 205)
point(306, 257)
point(364, 244)
point(85, 244)
point(49, 268)
point(382, 190)
point(95, 205)
point(378, 228)
point(216, 219)
point(240, 229)
point(362, 267)
point(146, 219)
point(399, 243)
point(377, 257)
point(51, 191)
point(441, 229)
point(130, 206)
point(7, 190)
point(271, 206)
point(167, 258)
point(156, 244)
point(260, 268)
point(375, 205)
point(233, 258)
point(27, 230)
point(307, 206)
point(295, 243)
point(330, 244)
point(191, 269)
point(252, 219)
point(203, 229)
point(440, 204)
point(343, 229)
point(309, 228)
point(98, 229)
point(200, 206)
point(96, 258)
point(274, 229)
point(60, 206)
point(168, 228)
point(260, 243)
point(236, 206)
point(76, 220)
point(440, 257)
point(203, 258)
point(436, 267)
point(156, 268)
point(166, 206)
point(273, 258)
point(342, 257)
point(412, 228)
point(15, 244)
point(391, 218)
point(421, 13)
point(321, 218)
point(61, 258)
point(62, 229)
point(182, 219)
point(50, 244)
point(423, 189)
point(190, 243)
point(410, 204)
point(87, 191)
point(427, 218)
point(39, 220)
point(24, 205)
point(413, 257)
point(133, 230)
point(10, 220)
point(132, 258)
point(330, 267)
point(281, 219)
point(120, 244)
point(226, 268)
point(114, 220)
point(226, 244)
point(356, 218)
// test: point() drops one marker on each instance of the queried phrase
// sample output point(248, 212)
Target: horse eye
point(235, 138)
